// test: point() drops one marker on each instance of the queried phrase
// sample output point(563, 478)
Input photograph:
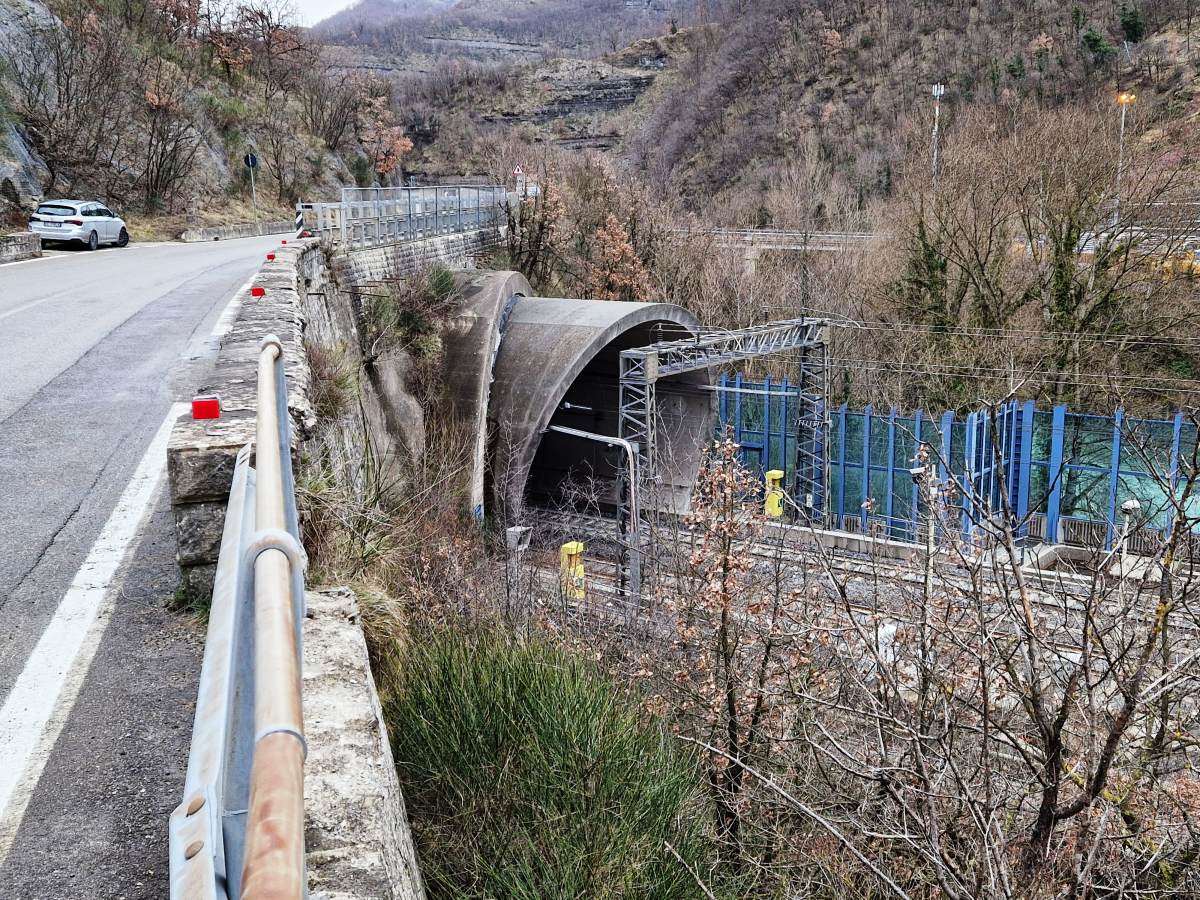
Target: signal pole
point(938, 90)
point(1124, 100)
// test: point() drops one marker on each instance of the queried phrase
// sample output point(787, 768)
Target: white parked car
point(86, 222)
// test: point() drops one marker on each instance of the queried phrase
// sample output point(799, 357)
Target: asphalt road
point(94, 350)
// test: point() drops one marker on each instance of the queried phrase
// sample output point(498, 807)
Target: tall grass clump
point(530, 776)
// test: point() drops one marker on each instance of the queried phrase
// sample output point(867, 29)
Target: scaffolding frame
point(642, 367)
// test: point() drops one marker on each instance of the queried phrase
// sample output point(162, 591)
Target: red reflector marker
point(208, 407)
point(283, 242)
point(270, 256)
point(257, 292)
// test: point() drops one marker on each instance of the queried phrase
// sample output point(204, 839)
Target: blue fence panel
point(1067, 477)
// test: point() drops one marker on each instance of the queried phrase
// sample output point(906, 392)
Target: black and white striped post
point(299, 217)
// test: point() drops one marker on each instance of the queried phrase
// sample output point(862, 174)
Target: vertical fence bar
point(866, 470)
point(1113, 478)
point(1026, 464)
point(915, 518)
point(783, 434)
point(724, 403)
point(1175, 437)
point(737, 403)
point(841, 497)
point(970, 490)
point(891, 472)
point(1057, 473)
point(766, 401)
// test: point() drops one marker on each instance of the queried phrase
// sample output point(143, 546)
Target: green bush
point(529, 776)
point(1095, 42)
point(1132, 24)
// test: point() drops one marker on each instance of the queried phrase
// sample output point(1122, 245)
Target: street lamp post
point(1124, 99)
point(938, 90)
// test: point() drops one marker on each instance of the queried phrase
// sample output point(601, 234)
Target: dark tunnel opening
point(576, 473)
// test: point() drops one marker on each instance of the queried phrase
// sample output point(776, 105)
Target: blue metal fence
point(1066, 475)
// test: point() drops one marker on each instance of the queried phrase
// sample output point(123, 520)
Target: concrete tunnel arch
point(558, 363)
point(514, 359)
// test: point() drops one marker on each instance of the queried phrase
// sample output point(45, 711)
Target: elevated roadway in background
point(796, 241)
point(97, 350)
point(752, 243)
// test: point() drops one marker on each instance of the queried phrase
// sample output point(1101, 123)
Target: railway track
point(1057, 597)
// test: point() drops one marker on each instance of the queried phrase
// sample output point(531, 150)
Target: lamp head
point(1126, 97)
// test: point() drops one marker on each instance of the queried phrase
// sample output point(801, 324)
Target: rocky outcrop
point(572, 88)
point(308, 297)
point(21, 172)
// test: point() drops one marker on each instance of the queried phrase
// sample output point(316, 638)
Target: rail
point(239, 832)
point(371, 217)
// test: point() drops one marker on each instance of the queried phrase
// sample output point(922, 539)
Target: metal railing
point(239, 832)
point(370, 217)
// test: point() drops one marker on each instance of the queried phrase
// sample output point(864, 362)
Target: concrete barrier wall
point(201, 455)
point(22, 245)
point(355, 825)
point(228, 232)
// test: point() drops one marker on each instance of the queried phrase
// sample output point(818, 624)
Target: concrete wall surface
point(472, 340)
point(22, 245)
point(201, 455)
point(393, 260)
point(356, 829)
point(228, 232)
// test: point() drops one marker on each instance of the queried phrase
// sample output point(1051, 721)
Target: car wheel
point(123, 239)
point(93, 241)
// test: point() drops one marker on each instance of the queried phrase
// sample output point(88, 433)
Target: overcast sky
point(311, 12)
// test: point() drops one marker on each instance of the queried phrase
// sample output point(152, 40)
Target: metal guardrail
point(239, 832)
point(371, 217)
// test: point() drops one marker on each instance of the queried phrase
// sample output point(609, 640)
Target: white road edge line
point(31, 305)
point(229, 315)
point(44, 693)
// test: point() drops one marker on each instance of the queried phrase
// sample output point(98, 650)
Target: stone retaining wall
point(305, 296)
point(22, 245)
point(355, 267)
point(228, 232)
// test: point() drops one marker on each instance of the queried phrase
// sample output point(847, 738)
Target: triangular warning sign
point(518, 171)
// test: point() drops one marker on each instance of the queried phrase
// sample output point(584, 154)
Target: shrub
point(334, 380)
point(527, 775)
point(1096, 44)
point(1132, 24)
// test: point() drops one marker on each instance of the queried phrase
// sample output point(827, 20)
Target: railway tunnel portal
point(522, 363)
point(527, 370)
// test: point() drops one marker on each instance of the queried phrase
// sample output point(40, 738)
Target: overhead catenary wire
point(1004, 333)
point(1075, 379)
point(900, 366)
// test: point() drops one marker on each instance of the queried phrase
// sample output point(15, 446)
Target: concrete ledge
point(228, 232)
point(356, 829)
point(22, 245)
point(201, 455)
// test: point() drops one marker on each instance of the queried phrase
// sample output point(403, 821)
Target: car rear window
point(50, 209)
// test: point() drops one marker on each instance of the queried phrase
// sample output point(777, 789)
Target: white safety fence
point(371, 217)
